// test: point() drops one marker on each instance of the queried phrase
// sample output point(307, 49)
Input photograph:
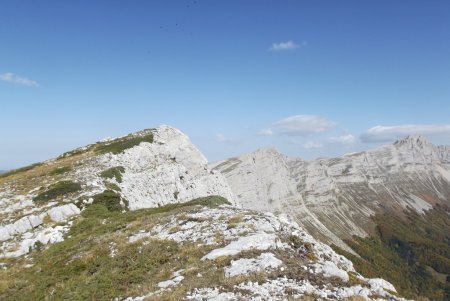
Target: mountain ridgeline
point(144, 217)
point(388, 209)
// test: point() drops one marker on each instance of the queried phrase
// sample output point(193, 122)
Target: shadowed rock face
point(334, 198)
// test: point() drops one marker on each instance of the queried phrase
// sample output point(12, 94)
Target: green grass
point(56, 190)
point(119, 145)
point(213, 200)
point(113, 172)
point(112, 186)
point(107, 200)
point(19, 170)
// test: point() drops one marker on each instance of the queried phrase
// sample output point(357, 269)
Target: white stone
point(378, 284)
point(259, 241)
point(20, 226)
point(265, 262)
point(329, 269)
point(61, 213)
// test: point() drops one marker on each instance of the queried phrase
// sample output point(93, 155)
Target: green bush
point(96, 211)
point(56, 190)
point(113, 172)
point(76, 152)
point(213, 200)
point(112, 186)
point(110, 199)
point(119, 145)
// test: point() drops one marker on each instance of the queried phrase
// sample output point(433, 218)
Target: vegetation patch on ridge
point(111, 200)
point(19, 170)
point(113, 172)
point(56, 190)
point(119, 145)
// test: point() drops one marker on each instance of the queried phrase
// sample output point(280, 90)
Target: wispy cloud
point(221, 138)
point(266, 132)
point(382, 133)
point(312, 144)
point(299, 125)
point(16, 79)
point(345, 139)
point(289, 45)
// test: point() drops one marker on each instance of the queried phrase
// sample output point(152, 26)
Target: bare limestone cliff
point(334, 198)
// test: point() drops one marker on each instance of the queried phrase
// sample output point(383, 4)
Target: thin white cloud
point(289, 45)
point(16, 79)
point(345, 139)
point(221, 138)
point(266, 132)
point(300, 125)
point(382, 133)
point(312, 144)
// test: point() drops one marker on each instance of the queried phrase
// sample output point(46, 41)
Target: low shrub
point(119, 145)
point(96, 211)
point(109, 199)
point(113, 172)
point(56, 190)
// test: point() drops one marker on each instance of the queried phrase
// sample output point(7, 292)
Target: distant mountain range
point(347, 201)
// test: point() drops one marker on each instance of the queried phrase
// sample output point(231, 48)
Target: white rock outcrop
point(20, 226)
point(258, 241)
point(268, 234)
point(62, 213)
point(169, 170)
point(243, 266)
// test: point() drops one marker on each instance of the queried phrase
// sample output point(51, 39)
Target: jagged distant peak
point(267, 150)
point(415, 140)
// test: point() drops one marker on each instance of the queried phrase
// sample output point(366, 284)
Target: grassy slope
point(81, 268)
point(412, 253)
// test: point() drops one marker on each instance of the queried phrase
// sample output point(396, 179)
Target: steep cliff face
point(334, 198)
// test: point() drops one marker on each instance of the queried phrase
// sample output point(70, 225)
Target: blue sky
point(311, 78)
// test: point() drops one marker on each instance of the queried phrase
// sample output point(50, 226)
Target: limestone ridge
point(168, 170)
point(334, 198)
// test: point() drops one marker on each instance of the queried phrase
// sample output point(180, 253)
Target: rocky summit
point(144, 217)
